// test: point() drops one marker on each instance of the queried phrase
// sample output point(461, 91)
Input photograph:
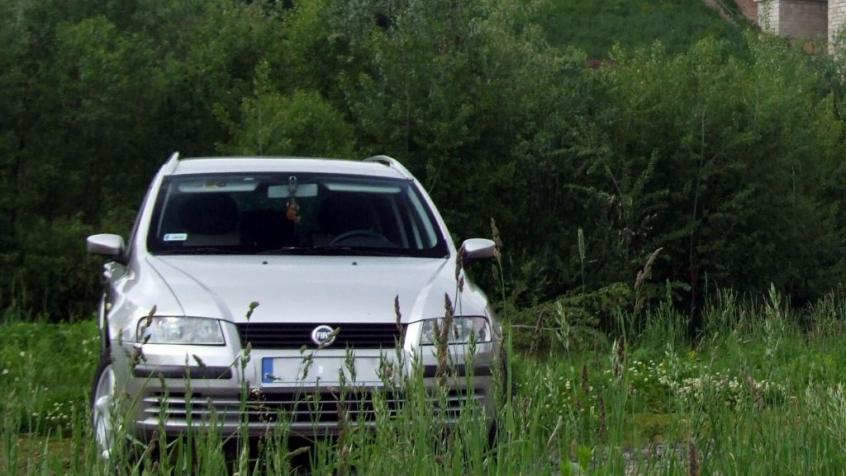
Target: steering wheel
point(359, 233)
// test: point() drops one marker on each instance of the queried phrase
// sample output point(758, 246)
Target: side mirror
point(106, 245)
point(478, 248)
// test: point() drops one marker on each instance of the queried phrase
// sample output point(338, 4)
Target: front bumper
point(175, 388)
point(304, 412)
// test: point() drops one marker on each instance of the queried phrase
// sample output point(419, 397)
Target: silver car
point(266, 279)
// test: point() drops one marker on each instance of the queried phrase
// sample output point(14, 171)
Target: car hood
point(312, 289)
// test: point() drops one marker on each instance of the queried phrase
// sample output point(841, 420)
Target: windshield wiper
point(285, 250)
point(359, 250)
point(330, 251)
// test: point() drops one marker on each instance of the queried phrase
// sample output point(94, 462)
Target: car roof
point(208, 165)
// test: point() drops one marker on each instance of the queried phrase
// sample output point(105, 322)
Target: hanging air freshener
point(293, 211)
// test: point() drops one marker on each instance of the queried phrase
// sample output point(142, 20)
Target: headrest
point(209, 213)
point(342, 212)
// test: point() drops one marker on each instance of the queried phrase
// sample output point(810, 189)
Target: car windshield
point(292, 214)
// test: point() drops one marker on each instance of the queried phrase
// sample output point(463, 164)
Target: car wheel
point(102, 405)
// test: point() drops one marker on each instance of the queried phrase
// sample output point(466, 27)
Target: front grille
point(294, 336)
point(294, 407)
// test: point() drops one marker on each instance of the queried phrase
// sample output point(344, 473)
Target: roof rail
point(171, 163)
point(390, 162)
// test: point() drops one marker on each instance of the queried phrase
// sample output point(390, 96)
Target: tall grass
point(760, 393)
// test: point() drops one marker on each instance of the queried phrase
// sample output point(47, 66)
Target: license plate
point(320, 370)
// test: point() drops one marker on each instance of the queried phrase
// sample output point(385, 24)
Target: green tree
point(302, 124)
point(730, 155)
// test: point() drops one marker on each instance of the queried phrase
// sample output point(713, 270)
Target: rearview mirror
point(105, 244)
point(478, 248)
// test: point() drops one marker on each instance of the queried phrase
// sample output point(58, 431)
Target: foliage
point(301, 124)
point(723, 153)
point(43, 389)
point(736, 402)
point(572, 322)
point(94, 96)
point(596, 27)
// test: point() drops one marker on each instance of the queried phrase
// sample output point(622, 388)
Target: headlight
point(180, 330)
point(462, 329)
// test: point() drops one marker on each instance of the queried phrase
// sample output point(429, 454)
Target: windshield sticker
point(175, 236)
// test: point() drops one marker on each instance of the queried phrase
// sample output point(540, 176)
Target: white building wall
point(805, 19)
point(836, 21)
point(768, 15)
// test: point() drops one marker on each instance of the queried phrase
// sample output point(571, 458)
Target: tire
point(102, 405)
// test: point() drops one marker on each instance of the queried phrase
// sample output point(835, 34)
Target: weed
point(746, 400)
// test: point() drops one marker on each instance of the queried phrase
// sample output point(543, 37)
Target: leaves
point(725, 154)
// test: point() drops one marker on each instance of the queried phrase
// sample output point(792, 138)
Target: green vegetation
point(626, 196)
point(594, 27)
point(727, 162)
point(46, 373)
point(760, 393)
